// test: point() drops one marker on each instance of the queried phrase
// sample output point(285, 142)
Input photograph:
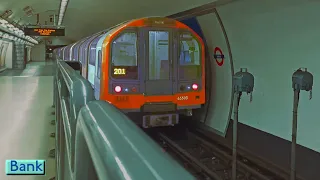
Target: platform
point(25, 108)
point(32, 69)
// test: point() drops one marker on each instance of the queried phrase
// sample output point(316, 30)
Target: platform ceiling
point(85, 17)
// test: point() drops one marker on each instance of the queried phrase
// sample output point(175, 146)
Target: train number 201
point(182, 98)
point(119, 71)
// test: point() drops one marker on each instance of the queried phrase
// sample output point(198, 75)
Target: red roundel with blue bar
point(218, 56)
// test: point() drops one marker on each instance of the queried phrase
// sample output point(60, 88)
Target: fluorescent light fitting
point(63, 7)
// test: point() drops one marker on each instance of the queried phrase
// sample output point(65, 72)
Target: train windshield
point(124, 56)
point(189, 57)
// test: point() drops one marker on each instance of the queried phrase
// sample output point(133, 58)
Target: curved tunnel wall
point(218, 76)
point(272, 39)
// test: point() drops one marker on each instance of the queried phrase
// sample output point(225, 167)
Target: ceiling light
point(63, 6)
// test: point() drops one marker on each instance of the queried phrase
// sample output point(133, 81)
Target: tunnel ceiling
point(85, 17)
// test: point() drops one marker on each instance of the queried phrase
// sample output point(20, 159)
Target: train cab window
point(99, 64)
point(159, 66)
point(124, 64)
point(189, 57)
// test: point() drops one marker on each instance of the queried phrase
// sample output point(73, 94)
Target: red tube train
point(152, 68)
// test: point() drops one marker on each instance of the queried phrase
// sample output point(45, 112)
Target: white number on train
point(182, 98)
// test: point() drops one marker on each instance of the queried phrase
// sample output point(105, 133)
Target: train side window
point(84, 57)
point(92, 57)
point(99, 64)
point(75, 52)
point(91, 65)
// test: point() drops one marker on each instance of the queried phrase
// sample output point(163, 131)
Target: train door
point(97, 81)
point(98, 75)
point(159, 62)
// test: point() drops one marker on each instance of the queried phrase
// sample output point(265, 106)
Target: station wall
point(29, 54)
point(272, 39)
point(220, 76)
point(60, 41)
point(9, 56)
point(38, 52)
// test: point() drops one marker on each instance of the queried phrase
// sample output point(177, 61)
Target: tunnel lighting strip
point(13, 33)
point(63, 7)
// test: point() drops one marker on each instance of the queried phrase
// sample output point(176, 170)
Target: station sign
point(218, 56)
point(44, 32)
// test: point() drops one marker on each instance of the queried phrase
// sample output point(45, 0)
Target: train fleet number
point(118, 71)
point(182, 98)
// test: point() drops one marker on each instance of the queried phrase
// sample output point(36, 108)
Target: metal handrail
point(94, 140)
point(116, 144)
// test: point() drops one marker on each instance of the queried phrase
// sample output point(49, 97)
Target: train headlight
point(194, 86)
point(117, 89)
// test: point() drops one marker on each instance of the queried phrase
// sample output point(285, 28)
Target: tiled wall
point(18, 53)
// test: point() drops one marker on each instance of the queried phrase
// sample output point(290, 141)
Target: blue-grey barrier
point(94, 140)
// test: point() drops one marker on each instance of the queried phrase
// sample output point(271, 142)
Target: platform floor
point(32, 69)
point(25, 115)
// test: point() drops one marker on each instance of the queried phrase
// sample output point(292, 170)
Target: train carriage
point(152, 66)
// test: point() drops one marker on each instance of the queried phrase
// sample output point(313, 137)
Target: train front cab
point(162, 80)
